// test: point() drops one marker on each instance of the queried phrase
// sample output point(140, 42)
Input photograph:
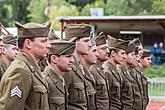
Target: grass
point(155, 71)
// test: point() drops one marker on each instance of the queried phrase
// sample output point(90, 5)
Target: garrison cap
point(32, 30)
point(101, 39)
point(52, 35)
point(10, 39)
point(117, 43)
point(146, 53)
point(77, 30)
point(61, 47)
point(131, 47)
point(136, 41)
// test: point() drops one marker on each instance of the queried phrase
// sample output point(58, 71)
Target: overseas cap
point(9, 39)
point(32, 30)
point(77, 30)
point(146, 53)
point(131, 47)
point(136, 41)
point(61, 47)
point(52, 35)
point(101, 39)
point(117, 43)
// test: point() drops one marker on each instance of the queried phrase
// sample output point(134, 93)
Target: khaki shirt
point(127, 94)
point(138, 97)
point(57, 93)
point(90, 90)
point(75, 84)
point(3, 68)
point(115, 88)
point(143, 86)
point(102, 87)
point(22, 86)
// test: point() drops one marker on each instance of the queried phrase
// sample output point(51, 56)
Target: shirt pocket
point(56, 103)
point(39, 96)
point(101, 87)
point(127, 88)
point(78, 92)
point(116, 90)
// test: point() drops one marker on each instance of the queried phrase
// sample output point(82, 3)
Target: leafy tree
point(158, 7)
point(80, 3)
point(63, 10)
point(13, 10)
point(37, 8)
point(97, 4)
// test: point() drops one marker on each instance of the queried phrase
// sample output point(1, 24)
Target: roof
point(66, 18)
point(116, 24)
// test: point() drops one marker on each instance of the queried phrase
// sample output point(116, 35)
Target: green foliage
point(80, 3)
point(56, 8)
point(97, 4)
point(36, 9)
point(13, 10)
point(155, 71)
point(62, 10)
point(158, 7)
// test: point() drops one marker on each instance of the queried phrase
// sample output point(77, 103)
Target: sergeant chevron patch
point(16, 92)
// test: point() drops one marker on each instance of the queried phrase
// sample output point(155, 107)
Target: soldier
point(43, 62)
point(75, 80)
point(61, 60)
point(88, 61)
point(127, 92)
point(144, 63)
point(22, 85)
point(101, 83)
point(116, 56)
point(135, 71)
point(8, 54)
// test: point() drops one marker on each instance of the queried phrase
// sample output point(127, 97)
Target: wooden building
point(149, 29)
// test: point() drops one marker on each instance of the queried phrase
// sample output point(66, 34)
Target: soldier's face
point(40, 47)
point(65, 62)
point(120, 57)
point(83, 45)
point(131, 58)
point(91, 57)
point(11, 52)
point(140, 50)
point(103, 52)
point(145, 62)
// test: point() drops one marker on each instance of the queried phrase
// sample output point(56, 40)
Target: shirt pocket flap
point(101, 82)
point(40, 89)
point(57, 100)
point(79, 86)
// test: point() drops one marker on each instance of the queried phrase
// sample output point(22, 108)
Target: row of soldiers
point(82, 73)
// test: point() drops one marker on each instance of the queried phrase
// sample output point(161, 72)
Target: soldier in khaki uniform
point(8, 54)
point(61, 60)
point(117, 55)
point(101, 82)
point(75, 80)
point(136, 75)
point(144, 63)
point(88, 61)
point(22, 86)
point(127, 92)
point(43, 62)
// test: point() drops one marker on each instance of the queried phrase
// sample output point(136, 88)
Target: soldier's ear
point(28, 43)
point(54, 59)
